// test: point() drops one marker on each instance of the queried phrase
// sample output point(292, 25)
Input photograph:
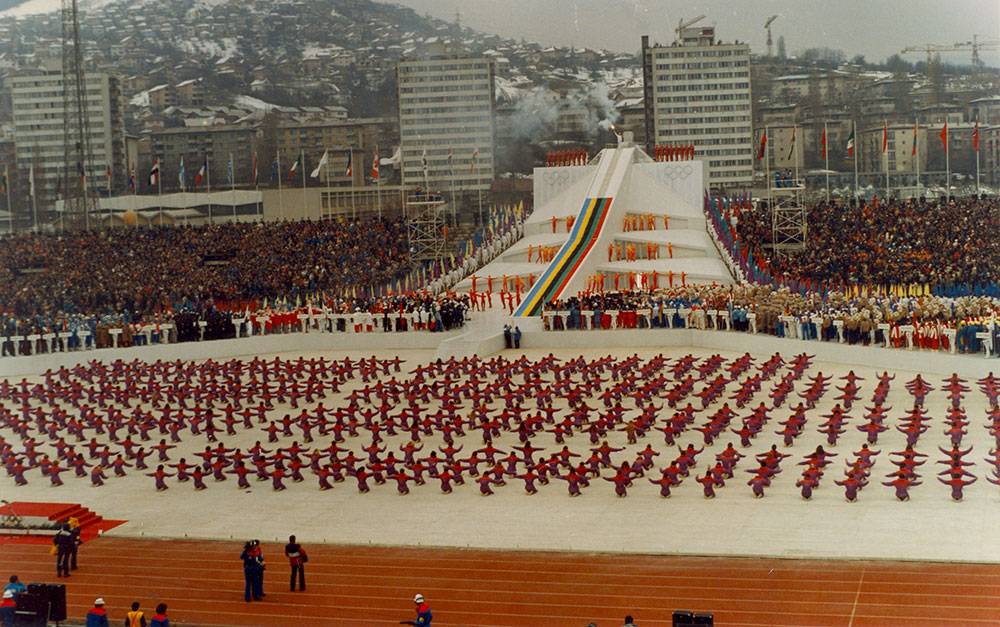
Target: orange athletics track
point(202, 582)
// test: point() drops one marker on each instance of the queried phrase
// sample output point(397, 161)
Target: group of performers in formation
point(490, 423)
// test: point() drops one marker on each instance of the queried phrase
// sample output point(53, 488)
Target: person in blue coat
point(424, 615)
point(253, 572)
point(8, 609)
point(97, 616)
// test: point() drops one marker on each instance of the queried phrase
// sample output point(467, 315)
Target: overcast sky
point(874, 28)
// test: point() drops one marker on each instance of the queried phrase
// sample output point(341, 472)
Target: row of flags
point(202, 176)
point(762, 147)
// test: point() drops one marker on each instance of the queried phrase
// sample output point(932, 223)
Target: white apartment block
point(39, 131)
point(700, 95)
point(446, 105)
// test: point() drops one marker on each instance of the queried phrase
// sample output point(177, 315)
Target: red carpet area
point(91, 525)
point(202, 584)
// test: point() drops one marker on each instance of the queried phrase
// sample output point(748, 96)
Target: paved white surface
point(930, 526)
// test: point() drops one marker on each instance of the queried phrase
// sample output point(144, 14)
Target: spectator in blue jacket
point(160, 618)
point(8, 607)
point(15, 586)
point(423, 613)
point(97, 616)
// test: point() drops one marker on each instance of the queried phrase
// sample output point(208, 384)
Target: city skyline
point(872, 29)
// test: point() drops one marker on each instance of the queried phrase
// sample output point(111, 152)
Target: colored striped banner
point(581, 240)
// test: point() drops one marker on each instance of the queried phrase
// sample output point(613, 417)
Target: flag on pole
point(850, 143)
point(3, 181)
point(31, 180)
point(913, 151)
point(791, 147)
point(822, 141)
point(349, 170)
point(375, 164)
point(885, 137)
point(154, 173)
point(253, 169)
point(394, 160)
point(131, 179)
point(322, 164)
point(475, 159)
point(109, 176)
point(423, 161)
point(975, 137)
point(763, 146)
point(231, 170)
point(451, 157)
point(944, 136)
point(275, 174)
point(294, 168)
point(181, 175)
point(199, 178)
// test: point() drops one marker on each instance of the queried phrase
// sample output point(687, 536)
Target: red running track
point(202, 583)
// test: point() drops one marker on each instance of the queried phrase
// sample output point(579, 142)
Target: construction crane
point(976, 45)
point(931, 49)
point(770, 42)
point(681, 25)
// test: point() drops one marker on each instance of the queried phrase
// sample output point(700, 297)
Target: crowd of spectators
point(816, 316)
point(899, 242)
point(135, 272)
point(89, 282)
point(401, 312)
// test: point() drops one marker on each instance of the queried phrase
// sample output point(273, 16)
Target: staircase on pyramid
point(621, 219)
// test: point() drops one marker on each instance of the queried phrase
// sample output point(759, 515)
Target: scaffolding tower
point(789, 226)
point(78, 153)
point(426, 217)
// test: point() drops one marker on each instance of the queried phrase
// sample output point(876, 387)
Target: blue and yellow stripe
point(581, 240)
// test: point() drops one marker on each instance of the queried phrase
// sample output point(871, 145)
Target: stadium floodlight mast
point(78, 155)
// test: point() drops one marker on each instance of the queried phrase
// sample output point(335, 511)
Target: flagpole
point(159, 189)
point(454, 205)
point(302, 154)
point(795, 145)
point(916, 151)
point(826, 160)
point(208, 187)
point(34, 198)
point(281, 198)
point(350, 160)
point(979, 190)
point(329, 196)
point(232, 184)
point(86, 199)
point(888, 191)
point(767, 174)
point(377, 167)
point(857, 153)
point(947, 162)
point(10, 209)
point(110, 174)
point(255, 173)
point(479, 189)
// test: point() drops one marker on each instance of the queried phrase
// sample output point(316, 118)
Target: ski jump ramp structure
point(617, 183)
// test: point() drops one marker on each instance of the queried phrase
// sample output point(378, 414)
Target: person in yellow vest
point(74, 527)
point(135, 617)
